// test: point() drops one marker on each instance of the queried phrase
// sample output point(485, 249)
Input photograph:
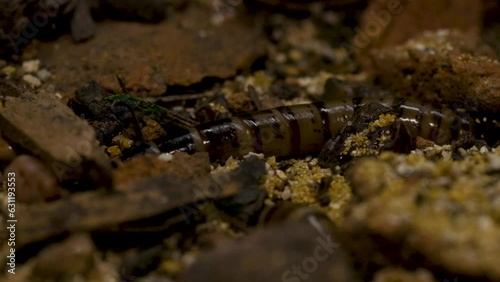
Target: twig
point(174, 98)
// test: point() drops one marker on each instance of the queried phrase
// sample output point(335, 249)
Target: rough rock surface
point(182, 165)
point(392, 22)
point(445, 65)
point(279, 253)
point(66, 144)
point(180, 51)
point(426, 210)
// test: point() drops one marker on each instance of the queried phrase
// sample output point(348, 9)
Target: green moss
point(148, 108)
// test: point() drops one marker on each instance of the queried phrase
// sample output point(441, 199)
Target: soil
point(91, 91)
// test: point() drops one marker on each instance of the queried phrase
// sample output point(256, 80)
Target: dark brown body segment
point(284, 131)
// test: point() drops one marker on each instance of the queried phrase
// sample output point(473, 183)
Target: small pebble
point(43, 74)
point(8, 70)
point(31, 66)
point(268, 202)
point(287, 194)
point(268, 166)
point(32, 80)
point(446, 154)
point(462, 152)
point(189, 258)
point(123, 142)
point(259, 156)
point(405, 169)
point(50, 88)
point(483, 150)
point(280, 58)
point(335, 206)
point(114, 152)
point(295, 55)
point(166, 157)
point(281, 175)
point(494, 162)
point(171, 267)
point(35, 182)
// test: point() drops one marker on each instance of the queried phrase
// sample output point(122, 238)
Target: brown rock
point(182, 51)
point(442, 66)
point(65, 261)
point(278, 253)
point(437, 214)
point(370, 184)
point(392, 22)
point(240, 102)
point(82, 24)
point(422, 143)
point(42, 125)
point(34, 181)
point(152, 131)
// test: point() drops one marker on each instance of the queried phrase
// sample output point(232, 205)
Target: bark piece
point(43, 126)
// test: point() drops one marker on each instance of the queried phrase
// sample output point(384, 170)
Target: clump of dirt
point(442, 67)
point(388, 23)
point(427, 210)
point(152, 165)
point(423, 212)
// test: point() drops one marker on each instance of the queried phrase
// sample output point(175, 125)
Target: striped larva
point(303, 129)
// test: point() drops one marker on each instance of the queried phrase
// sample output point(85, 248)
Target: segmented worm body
point(303, 129)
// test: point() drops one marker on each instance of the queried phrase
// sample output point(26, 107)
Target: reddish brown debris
point(73, 257)
point(182, 165)
point(392, 22)
point(445, 65)
point(182, 50)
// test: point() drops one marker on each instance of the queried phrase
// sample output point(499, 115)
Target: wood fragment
point(255, 97)
point(133, 201)
point(93, 210)
point(175, 98)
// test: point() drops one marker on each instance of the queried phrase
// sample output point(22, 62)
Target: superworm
point(301, 130)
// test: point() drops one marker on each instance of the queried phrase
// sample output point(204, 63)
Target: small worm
point(303, 129)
